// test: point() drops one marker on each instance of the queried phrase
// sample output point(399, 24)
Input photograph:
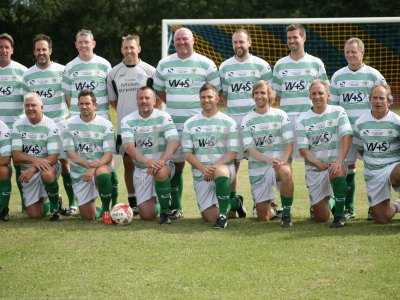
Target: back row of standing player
point(178, 79)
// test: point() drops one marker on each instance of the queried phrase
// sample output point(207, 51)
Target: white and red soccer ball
point(122, 214)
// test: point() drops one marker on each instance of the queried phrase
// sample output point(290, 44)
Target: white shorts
point(264, 189)
point(179, 156)
point(378, 184)
point(85, 191)
point(205, 191)
point(241, 154)
point(33, 190)
point(296, 154)
point(318, 184)
point(61, 126)
point(144, 183)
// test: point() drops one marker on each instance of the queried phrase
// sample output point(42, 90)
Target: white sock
point(397, 206)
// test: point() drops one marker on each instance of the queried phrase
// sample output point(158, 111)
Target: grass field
point(190, 260)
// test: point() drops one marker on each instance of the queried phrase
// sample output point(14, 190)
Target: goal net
point(325, 39)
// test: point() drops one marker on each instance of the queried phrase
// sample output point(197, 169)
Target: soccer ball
point(122, 214)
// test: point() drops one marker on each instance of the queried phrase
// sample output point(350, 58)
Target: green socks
point(52, 192)
point(19, 185)
point(157, 208)
point(163, 190)
point(286, 205)
point(351, 187)
point(339, 191)
point(114, 192)
point(222, 189)
point(5, 191)
point(104, 185)
point(46, 208)
point(331, 204)
point(68, 189)
point(233, 201)
point(176, 190)
point(99, 212)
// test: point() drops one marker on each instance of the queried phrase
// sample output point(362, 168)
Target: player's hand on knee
point(88, 175)
point(41, 164)
point(27, 174)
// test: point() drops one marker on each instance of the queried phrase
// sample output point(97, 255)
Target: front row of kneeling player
point(209, 142)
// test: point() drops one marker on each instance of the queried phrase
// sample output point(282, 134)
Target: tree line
point(111, 19)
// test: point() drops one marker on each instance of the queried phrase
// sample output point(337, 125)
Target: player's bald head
point(33, 97)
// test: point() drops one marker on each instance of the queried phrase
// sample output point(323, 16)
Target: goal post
point(325, 39)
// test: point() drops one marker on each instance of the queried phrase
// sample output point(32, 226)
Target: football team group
point(54, 121)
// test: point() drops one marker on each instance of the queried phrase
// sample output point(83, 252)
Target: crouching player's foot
point(221, 222)
point(106, 218)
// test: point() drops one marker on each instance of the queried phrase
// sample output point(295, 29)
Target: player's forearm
point(52, 159)
point(170, 150)
point(287, 152)
point(20, 157)
point(75, 158)
point(257, 155)
point(135, 154)
point(227, 158)
point(193, 160)
point(105, 159)
point(310, 157)
point(345, 144)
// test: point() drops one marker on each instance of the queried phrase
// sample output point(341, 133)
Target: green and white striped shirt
point(209, 138)
point(181, 80)
point(292, 78)
point(269, 133)
point(351, 89)
point(5, 140)
point(90, 140)
point(87, 75)
point(39, 140)
point(11, 92)
point(321, 133)
point(47, 83)
point(380, 139)
point(238, 78)
point(149, 135)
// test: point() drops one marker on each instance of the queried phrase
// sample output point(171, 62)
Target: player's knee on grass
point(210, 214)
point(383, 212)
point(321, 211)
point(5, 172)
point(395, 176)
point(221, 171)
point(147, 209)
point(88, 210)
point(35, 210)
point(264, 211)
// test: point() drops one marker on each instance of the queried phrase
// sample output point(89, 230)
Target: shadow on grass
point(302, 228)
